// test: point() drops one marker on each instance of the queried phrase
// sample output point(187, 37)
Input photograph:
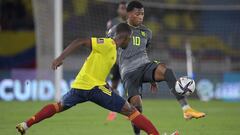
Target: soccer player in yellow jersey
point(90, 84)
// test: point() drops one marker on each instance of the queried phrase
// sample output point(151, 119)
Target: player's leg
point(156, 71)
point(46, 112)
point(139, 120)
point(162, 73)
point(115, 79)
point(133, 86)
point(70, 99)
point(112, 115)
point(136, 101)
point(111, 101)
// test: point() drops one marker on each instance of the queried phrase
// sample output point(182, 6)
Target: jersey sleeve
point(149, 38)
point(100, 44)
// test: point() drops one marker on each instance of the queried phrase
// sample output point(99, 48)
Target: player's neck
point(130, 24)
point(115, 41)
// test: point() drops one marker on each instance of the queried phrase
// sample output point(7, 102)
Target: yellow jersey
point(98, 64)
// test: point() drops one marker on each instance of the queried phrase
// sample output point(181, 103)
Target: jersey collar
point(133, 26)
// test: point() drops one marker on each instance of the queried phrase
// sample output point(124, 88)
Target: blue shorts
point(100, 95)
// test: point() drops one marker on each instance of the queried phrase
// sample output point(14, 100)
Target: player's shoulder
point(102, 40)
point(111, 32)
point(102, 44)
point(145, 28)
point(113, 28)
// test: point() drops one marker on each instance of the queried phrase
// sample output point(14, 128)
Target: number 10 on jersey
point(136, 40)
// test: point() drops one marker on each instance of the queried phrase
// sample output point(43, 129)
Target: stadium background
point(211, 27)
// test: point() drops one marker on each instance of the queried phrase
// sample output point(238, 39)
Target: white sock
point(185, 107)
point(24, 124)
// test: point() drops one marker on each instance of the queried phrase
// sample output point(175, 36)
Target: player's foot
point(21, 127)
point(190, 113)
point(111, 116)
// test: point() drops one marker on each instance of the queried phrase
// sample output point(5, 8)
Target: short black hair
point(134, 4)
point(123, 27)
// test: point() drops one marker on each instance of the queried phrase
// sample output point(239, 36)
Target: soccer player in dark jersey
point(114, 74)
point(90, 84)
point(122, 15)
point(136, 68)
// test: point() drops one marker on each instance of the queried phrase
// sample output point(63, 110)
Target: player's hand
point(56, 63)
point(154, 87)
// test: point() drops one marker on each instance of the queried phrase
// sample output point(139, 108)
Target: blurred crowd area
point(210, 27)
point(16, 15)
point(212, 34)
point(17, 37)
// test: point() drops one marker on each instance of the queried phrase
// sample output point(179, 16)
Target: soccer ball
point(185, 86)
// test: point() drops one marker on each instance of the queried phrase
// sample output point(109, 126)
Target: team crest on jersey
point(143, 33)
point(100, 40)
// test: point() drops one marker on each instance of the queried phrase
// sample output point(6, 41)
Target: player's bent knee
point(159, 72)
point(127, 109)
point(135, 100)
point(162, 65)
point(139, 108)
point(63, 107)
point(57, 106)
point(137, 104)
point(161, 68)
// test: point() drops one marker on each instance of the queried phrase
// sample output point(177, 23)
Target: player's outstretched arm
point(75, 44)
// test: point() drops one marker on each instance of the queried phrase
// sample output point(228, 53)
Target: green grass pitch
point(223, 118)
